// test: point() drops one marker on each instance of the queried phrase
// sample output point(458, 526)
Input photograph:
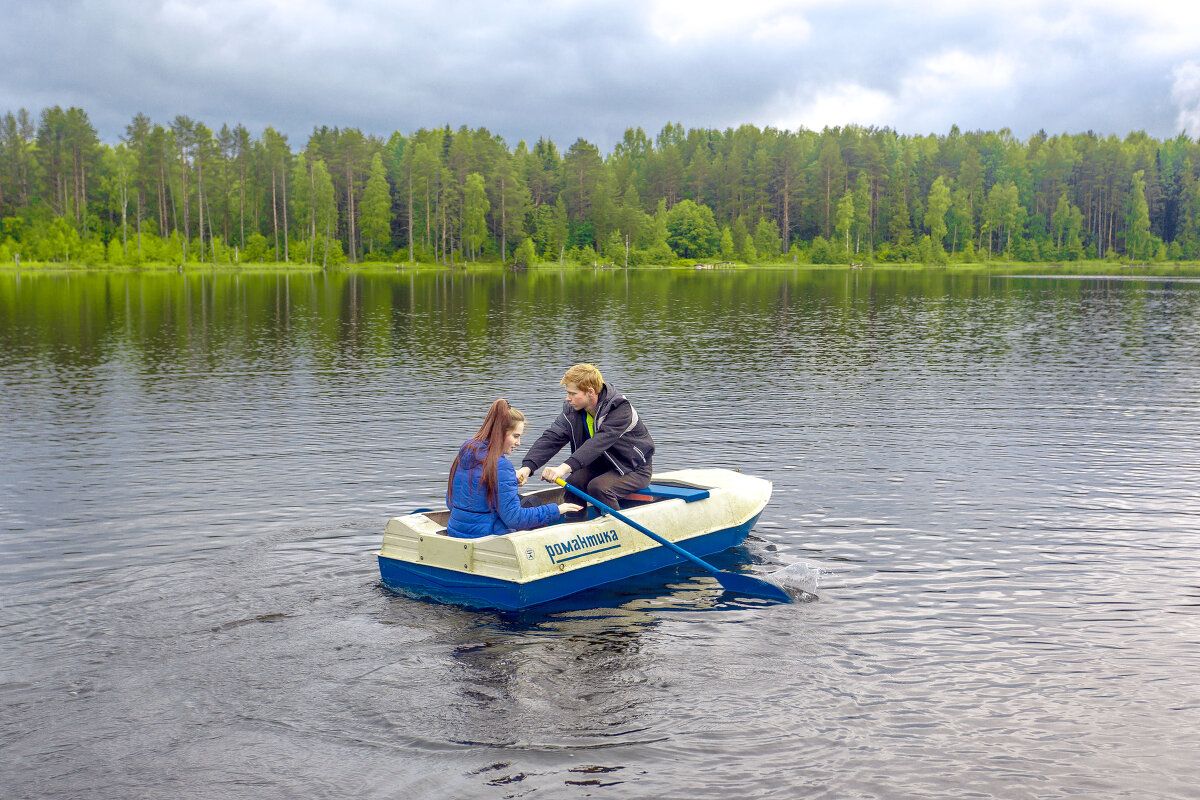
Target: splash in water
point(799, 577)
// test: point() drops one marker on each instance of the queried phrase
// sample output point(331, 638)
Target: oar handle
point(664, 542)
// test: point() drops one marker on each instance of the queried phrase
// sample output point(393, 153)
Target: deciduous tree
point(376, 206)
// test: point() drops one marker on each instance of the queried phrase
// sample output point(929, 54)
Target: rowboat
point(702, 511)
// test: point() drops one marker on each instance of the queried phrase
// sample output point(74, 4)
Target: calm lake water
point(989, 484)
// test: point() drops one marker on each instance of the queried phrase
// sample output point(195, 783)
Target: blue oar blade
point(749, 586)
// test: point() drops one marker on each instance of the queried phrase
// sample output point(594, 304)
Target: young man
point(611, 450)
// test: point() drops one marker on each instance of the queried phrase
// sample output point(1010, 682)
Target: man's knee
point(608, 489)
point(600, 489)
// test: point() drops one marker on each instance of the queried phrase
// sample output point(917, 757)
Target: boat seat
point(656, 491)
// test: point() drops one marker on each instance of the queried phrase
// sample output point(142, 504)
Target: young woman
point(482, 489)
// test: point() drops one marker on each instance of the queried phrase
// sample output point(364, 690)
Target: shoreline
point(1100, 268)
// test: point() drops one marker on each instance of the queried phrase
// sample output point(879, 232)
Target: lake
point(989, 485)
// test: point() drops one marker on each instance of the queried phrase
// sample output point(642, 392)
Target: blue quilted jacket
point(471, 515)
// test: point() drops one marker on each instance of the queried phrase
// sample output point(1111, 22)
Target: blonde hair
point(585, 376)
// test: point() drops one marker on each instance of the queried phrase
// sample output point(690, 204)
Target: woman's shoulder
point(504, 465)
point(473, 450)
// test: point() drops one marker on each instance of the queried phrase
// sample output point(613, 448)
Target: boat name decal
point(582, 546)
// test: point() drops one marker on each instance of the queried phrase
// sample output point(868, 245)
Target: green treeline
point(182, 192)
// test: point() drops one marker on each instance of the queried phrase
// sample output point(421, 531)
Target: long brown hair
point(500, 420)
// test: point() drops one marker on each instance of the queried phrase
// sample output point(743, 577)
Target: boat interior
point(654, 493)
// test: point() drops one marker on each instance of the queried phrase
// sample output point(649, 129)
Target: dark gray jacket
point(621, 437)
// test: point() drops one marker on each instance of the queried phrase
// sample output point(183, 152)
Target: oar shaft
point(731, 581)
point(665, 542)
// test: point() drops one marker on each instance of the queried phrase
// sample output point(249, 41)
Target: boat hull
point(487, 592)
point(702, 511)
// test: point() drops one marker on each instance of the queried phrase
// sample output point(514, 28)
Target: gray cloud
point(591, 69)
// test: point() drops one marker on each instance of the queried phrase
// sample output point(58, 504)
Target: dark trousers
point(607, 485)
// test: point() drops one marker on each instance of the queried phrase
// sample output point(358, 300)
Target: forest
point(182, 192)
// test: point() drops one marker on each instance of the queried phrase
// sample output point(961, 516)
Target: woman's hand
point(566, 508)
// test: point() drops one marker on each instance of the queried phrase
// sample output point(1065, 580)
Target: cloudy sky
point(570, 68)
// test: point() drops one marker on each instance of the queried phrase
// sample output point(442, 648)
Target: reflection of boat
point(702, 510)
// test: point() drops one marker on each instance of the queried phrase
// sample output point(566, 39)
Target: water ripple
point(984, 497)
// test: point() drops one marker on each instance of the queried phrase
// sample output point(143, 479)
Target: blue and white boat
point(703, 511)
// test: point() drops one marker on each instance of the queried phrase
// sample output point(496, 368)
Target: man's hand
point(522, 476)
point(551, 474)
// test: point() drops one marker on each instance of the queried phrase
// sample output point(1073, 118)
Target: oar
point(732, 581)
